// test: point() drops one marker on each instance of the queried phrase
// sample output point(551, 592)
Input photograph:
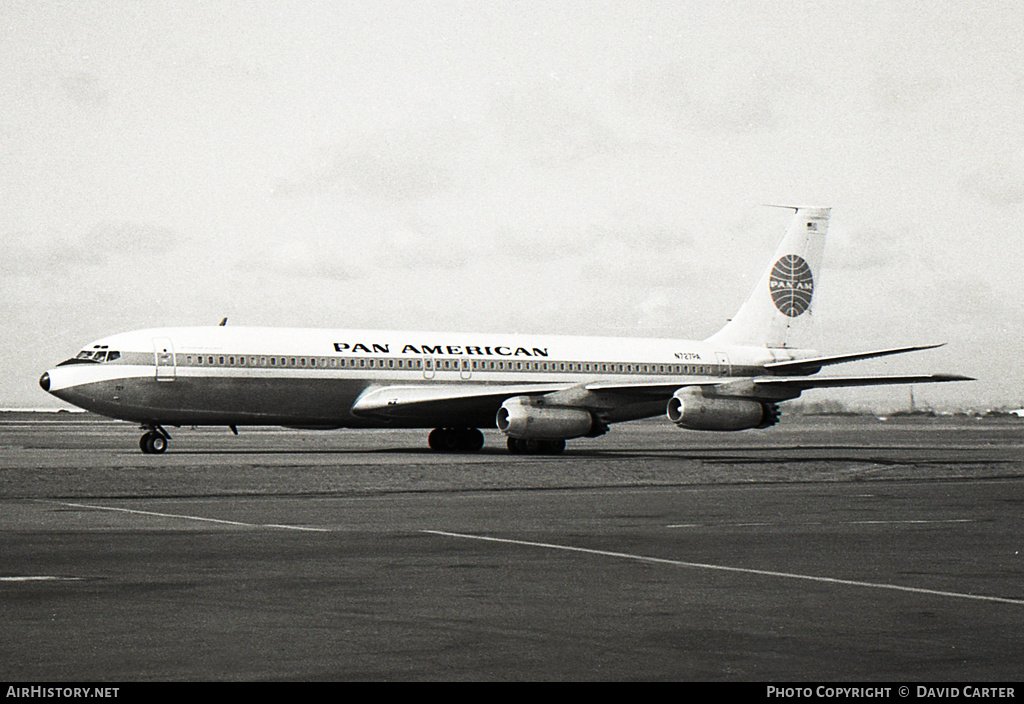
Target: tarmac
point(838, 549)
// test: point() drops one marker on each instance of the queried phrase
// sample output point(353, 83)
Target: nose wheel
point(154, 442)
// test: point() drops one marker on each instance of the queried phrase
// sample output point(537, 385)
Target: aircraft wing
point(475, 405)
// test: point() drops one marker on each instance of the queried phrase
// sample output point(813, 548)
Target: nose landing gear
point(155, 441)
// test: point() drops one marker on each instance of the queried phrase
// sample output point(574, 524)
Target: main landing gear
point(155, 441)
point(533, 446)
point(455, 439)
point(471, 440)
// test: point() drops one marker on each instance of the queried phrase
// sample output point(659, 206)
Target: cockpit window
point(94, 356)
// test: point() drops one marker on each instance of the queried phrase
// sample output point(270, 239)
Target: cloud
point(539, 123)
point(871, 247)
point(898, 89)
point(710, 96)
point(298, 259)
point(34, 253)
point(108, 241)
point(998, 184)
point(84, 89)
point(389, 167)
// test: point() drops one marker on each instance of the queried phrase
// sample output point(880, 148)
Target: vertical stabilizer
point(780, 309)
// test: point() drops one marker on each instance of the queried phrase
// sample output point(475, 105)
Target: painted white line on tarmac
point(725, 568)
point(40, 578)
point(191, 518)
point(823, 523)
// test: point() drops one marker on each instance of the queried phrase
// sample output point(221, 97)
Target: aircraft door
point(465, 368)
point(724, 367)
point(428, 368)
point(163, 359)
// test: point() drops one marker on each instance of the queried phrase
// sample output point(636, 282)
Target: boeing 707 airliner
point(538, 390)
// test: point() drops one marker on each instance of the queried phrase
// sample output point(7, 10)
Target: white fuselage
point(313, 377)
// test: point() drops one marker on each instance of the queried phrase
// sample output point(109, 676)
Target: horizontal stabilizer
point(780, 389)
point(810, 366)
point(765, 388)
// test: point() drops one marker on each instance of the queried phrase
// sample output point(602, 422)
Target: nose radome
point(44, 381)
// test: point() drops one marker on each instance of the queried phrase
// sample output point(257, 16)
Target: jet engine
point(523, 417)
point(689, 408)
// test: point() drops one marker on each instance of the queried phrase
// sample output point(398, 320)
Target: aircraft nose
point(44, 381)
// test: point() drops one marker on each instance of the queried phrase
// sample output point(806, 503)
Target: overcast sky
point(547, 167)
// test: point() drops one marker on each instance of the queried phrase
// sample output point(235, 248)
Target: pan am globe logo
point(791, 284)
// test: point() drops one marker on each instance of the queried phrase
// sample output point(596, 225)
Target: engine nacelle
point(523, 417)
point(689, 408)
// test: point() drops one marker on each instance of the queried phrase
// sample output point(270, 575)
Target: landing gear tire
point(533, 446)
point(455, 439)
point(153, 443)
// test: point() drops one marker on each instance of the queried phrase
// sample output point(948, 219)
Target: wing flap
point(420, 401)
